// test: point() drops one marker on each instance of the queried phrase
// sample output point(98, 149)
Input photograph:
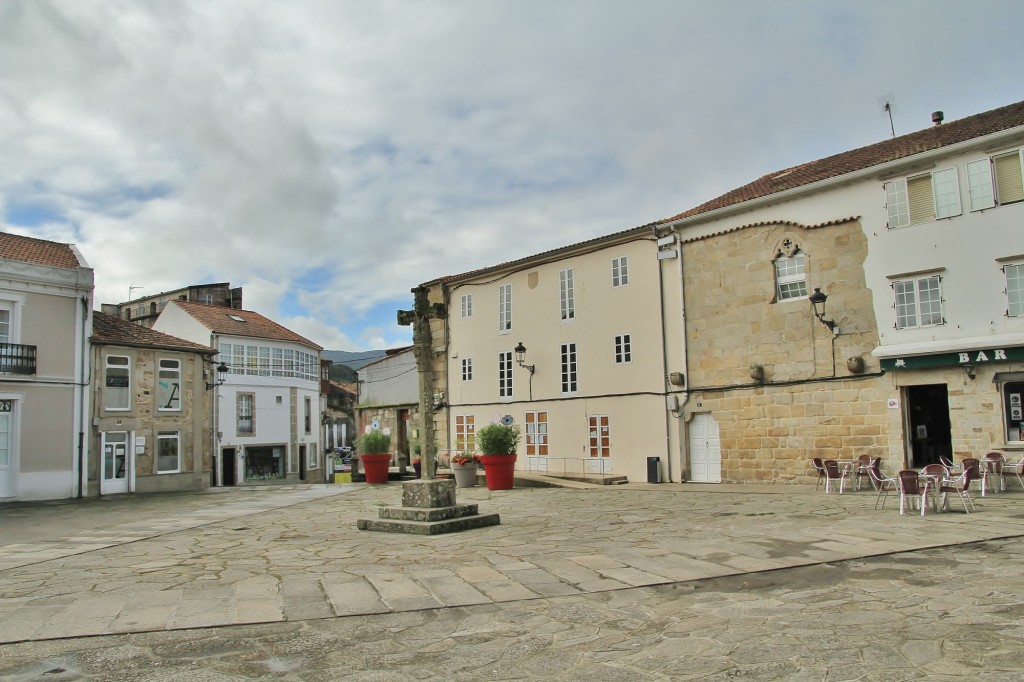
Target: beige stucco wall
point(49, 323)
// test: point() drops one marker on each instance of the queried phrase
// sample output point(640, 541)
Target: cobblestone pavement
point(634, 582)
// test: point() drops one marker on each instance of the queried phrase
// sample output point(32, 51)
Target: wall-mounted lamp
point(970, 370)
point(817, 300)
point(520, 351)
point(222, 369)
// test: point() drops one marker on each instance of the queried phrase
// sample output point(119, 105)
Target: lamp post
point(817, 300)
point(520, 351)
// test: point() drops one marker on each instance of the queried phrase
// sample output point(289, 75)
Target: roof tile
point(111, 329)
point(38, 251)
point(235, 322)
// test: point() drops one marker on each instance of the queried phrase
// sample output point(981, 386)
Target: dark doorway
point(302, 462)
point(928, 420)
point(227, 461)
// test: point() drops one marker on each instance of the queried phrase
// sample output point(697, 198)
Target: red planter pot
point(376, 467)
point(500, 471)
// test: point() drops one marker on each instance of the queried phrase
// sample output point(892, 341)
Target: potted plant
point(464, 465)
point(497, 443)
point(417, 464)
point(373, 453)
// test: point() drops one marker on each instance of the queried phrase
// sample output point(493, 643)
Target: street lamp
point(222, 369)
point(817, 300)
point(520, 351)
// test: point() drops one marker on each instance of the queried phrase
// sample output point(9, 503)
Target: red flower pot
point(500, 471)
point(376, 467)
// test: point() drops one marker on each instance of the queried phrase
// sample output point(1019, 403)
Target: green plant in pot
point(497, 443)
point(373, 453)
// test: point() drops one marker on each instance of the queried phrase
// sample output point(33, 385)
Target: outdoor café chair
point(860, 470)
point(884, 484)
point(992, 466)
point(1016, 470)
point(973, 464)
point(816, 461)
point(948, 463)
point(834, 473)
point(958, 485)
point(911, 489)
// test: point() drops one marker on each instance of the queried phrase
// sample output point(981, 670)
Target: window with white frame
point(918, 302)
point(168, 452)
point(923, 198)
point(465, 433)
point(623, 349)
point(467, 305)
point(168, 386)
point(6, 432)
point(536, 436)
point(995, 181)
point(791, 277)
point(568, 355)
point(505, 374)
point(600, 435)
point(1014, 290)
point(117, 383)
point(505, 308)
point(245, 413)
point(467, 369)
point(5, 324)
point(567, 295)
point(620, 271)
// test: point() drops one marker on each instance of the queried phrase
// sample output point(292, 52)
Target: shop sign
point(955, 359)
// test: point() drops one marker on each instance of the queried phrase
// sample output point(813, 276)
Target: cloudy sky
point(330, 155)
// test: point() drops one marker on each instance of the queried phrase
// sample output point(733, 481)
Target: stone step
point(429, 527)
point(427, 513)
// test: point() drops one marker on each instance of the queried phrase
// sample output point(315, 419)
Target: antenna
point(887, 105)
point(131, 288)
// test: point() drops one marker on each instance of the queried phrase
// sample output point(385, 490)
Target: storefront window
point(1013, 418)
point(264, 464)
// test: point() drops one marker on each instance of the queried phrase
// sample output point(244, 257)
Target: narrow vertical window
point(536, 435)
point(465, 433)
point(1014, 290)
point(979, 184)
point(620, 271)
point(168, 386)
point(168, 452)
point(246, 413)
point(467, 369)
point(308, 414)
point(600, 435)
point(505, 308)
point(238, 359)
point(117, 385)
point(946, 189)
point(623, 349)
point(505, 374)
point(568, 354)
point(467, 305)
point(567, 295)
point(897, 204)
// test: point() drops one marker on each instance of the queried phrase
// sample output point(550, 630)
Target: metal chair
point(834, 473)
point(958, 485)
point(1016, 470)
point(860, 470)
point(993, 467)
point(911, 490)
point(816, 461)
point(883, 484)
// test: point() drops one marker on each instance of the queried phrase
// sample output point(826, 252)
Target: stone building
point(387, 399)
point(145, 309)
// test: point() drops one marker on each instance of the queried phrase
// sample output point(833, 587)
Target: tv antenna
point(887, 105)
point(131, 288)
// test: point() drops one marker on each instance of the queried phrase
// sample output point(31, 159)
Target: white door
point(117, 463)
point(705, 450)
point(6, 448)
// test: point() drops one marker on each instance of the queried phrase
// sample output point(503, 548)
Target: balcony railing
point(16, 358)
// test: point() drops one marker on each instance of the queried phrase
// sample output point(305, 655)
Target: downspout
point(447, 413)
point(82, 383)
point(664, 363)
point(684, 442)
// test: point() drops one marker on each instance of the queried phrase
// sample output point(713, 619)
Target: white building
point(267, 411)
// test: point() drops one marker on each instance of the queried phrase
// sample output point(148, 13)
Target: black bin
point(654, 469)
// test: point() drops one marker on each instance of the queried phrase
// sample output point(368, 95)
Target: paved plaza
point(633, 582)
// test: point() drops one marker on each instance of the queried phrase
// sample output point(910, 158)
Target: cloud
point(329, 156)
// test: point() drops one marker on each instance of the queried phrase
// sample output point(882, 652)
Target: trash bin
point(654, 469)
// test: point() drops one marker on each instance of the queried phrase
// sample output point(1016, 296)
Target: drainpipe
point(82, 384)
point(664, 365)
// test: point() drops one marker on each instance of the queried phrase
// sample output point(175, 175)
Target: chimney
point(937, 117)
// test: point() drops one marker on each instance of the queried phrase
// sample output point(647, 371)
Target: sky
point(330, 155)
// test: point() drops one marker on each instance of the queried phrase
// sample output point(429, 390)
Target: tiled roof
point(936, 137)
point(235, 322)
point(111, 329)
point(38, 251)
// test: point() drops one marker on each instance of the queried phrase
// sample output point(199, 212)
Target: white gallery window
point(168, 452)
point(467, 305)
point(567, 295)
point(467, 369)
point(117, 384)
point(620, 271)
point(245, 413)
point(168, 386)
point(505, 374)
point(623, 349)
point(505, 308)
point(1014, 290)
point(995, 181)
point(790, 277)
point(918, 302)
point(923, 198)
point(568, 355)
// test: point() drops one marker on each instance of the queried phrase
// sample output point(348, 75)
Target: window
point(567, 295)
point(620, 271)
point(308, 414)
point(467, 369)
point(1013, 392)
point(568, 368)
point(168, 386)
point(6, 432)
point(251, 360)
point(5, 326)
point(923, 198)
point(277, 363)
point(206, 299)
point(117, 383)
point(536, 434)
point(623, 349)
point(505, 308)
point(168, 453)
point(238, 359)
point(467, 305)
point(246, 413)
point(918, 302)
point(995, 181)
point(600, 435)
point(264, 361)
point(1014, 290)
point(465, 433)
point(790, 277)
point(505, 374)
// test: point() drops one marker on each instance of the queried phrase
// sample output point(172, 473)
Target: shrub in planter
point(375, 442)
point(373, 453)
point(497, 443)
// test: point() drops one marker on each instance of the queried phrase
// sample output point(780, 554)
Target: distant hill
point(352, 359)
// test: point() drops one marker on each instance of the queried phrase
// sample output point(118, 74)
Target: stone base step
point(427, 513)
point(451, 525)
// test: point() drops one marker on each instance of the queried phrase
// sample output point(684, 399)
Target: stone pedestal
point(428, 508)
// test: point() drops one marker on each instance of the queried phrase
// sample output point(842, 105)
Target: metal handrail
point(17, 358)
